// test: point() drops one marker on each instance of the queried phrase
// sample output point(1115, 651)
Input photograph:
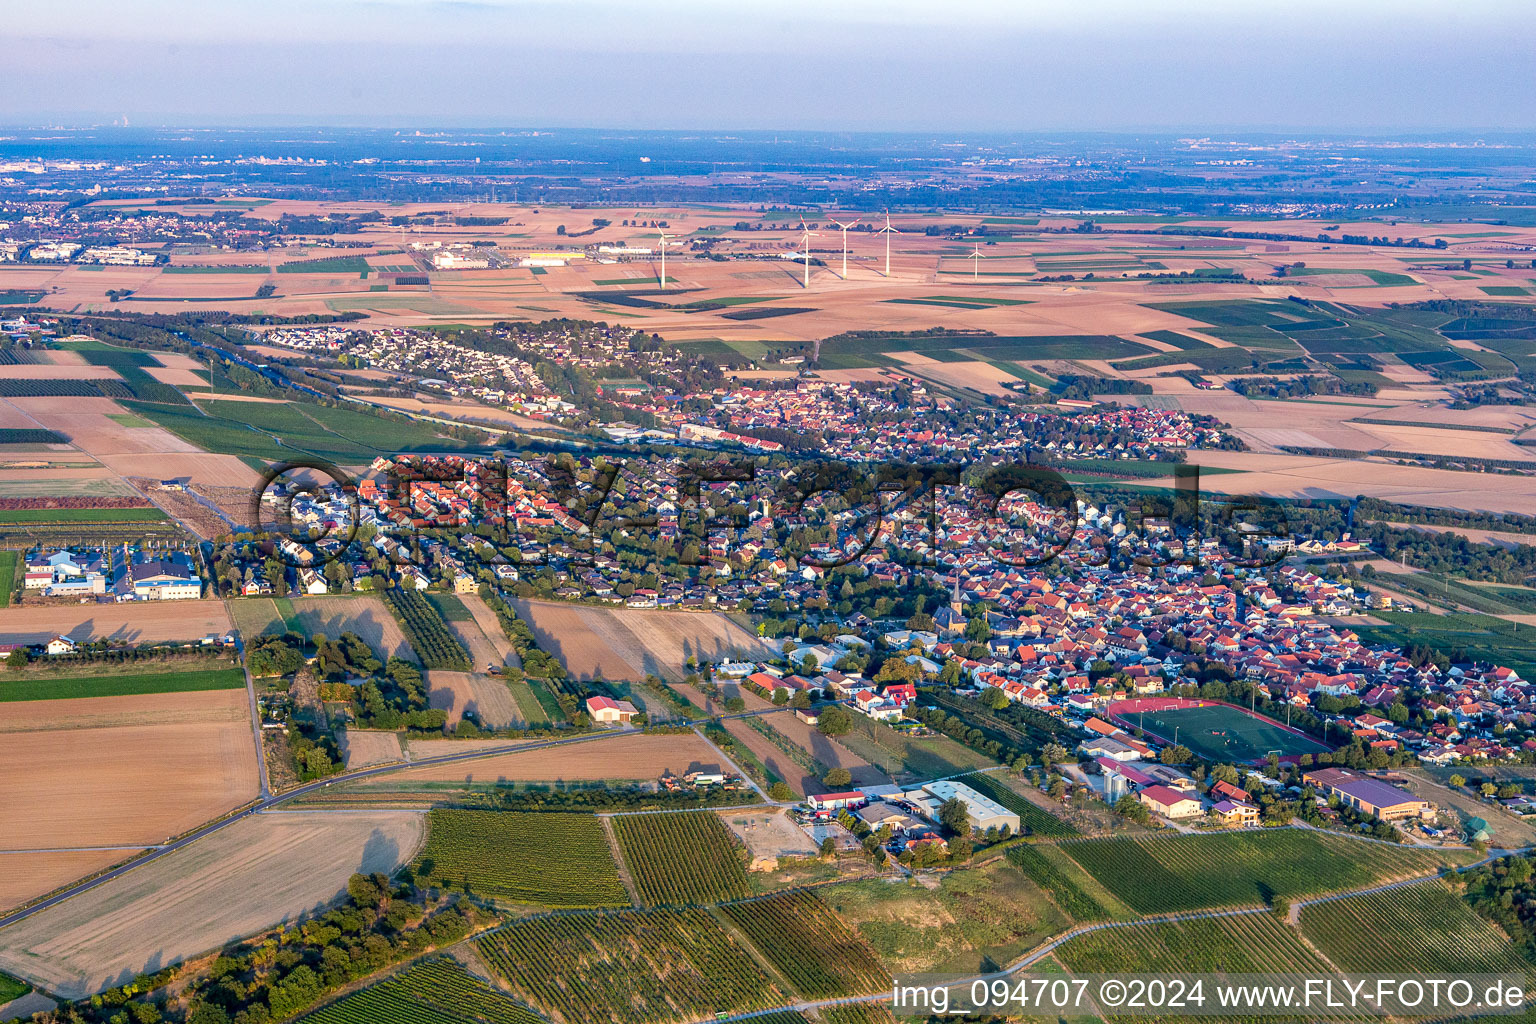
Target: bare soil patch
point(769, 835)
point(26, 876)
point(628, 643)
point(135, 622)
point(362, 614)
point(111, 771)
point(485, 696)
point(630, 756)
point(260, 872)
point(364, 747)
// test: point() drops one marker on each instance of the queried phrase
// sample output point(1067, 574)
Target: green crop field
point(57, 688)
point(1243, 944)
point(434, 992)
point(1223, 733)
point(554, 860)
point(81, 515)
point(325, 265)
point(1051, 879)
point(450, 607)
point(1158, 874)
point(1413, 929)
point(9, 560)
point(12, 988)
point(1377, 277)
point(628, 967)
point(1032, 820)
point(809, 945)
point(17, 297)
point(688, 857)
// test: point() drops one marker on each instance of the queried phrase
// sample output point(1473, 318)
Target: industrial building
point(984, 812)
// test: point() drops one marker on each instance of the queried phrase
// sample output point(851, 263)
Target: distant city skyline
point(859, 65)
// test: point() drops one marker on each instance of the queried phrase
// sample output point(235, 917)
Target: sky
point(845, 65)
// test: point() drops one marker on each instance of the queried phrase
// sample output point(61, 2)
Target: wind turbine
point(976, 257)
point(806, 241)
point(663, 235)
point(888, 231)
point(845, 228)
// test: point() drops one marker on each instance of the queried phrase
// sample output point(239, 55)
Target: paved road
point(273, 800)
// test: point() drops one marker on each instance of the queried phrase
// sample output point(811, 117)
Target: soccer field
point(1223, 733)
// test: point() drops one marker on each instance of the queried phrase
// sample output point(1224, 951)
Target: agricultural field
point(47, 686)
point(628, 967)
point(1165, 874)
point(137, 622)
point(688, 857)
point(426, 631)
point(624, 757)
point(553, 860)
point(437, 991)
point(118, 771)
point(808, 944)
point(629, 644)
point(1052, 879)
point(911, 758)
point(363, 614)
point(1412, 929)
point(256, 873)
point(1240, 944)
point(974, 918)
point(9, 560)
point(26, 875)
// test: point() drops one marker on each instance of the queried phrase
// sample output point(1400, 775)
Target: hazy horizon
point(974, 67)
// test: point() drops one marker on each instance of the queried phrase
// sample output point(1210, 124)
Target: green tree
point(837, 778)
point(780, 792)
point(954, 817)
point(835, 721)
point(1132, 809)
point(995, 698)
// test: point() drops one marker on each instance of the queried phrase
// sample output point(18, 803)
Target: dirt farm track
point(134, 622)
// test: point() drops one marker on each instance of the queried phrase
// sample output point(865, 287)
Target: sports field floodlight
point(888, 231)
point(845, 228)
point(807, 234)
point(976, 257)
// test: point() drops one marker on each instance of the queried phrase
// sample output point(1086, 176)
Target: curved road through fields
point(273, 800)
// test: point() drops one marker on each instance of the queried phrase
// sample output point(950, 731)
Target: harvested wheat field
point(113, 771)
point(1312, 477)
point(199, 467)
point(132, 622)
point(26, 876)
point(265, 870)
point(486, 697)
point(623, 756)
point(628, 643)
point(974, 375)
point(44, 371)
point(364, 747)
point(87, 424)
point(361, 614)
point(826, 750)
